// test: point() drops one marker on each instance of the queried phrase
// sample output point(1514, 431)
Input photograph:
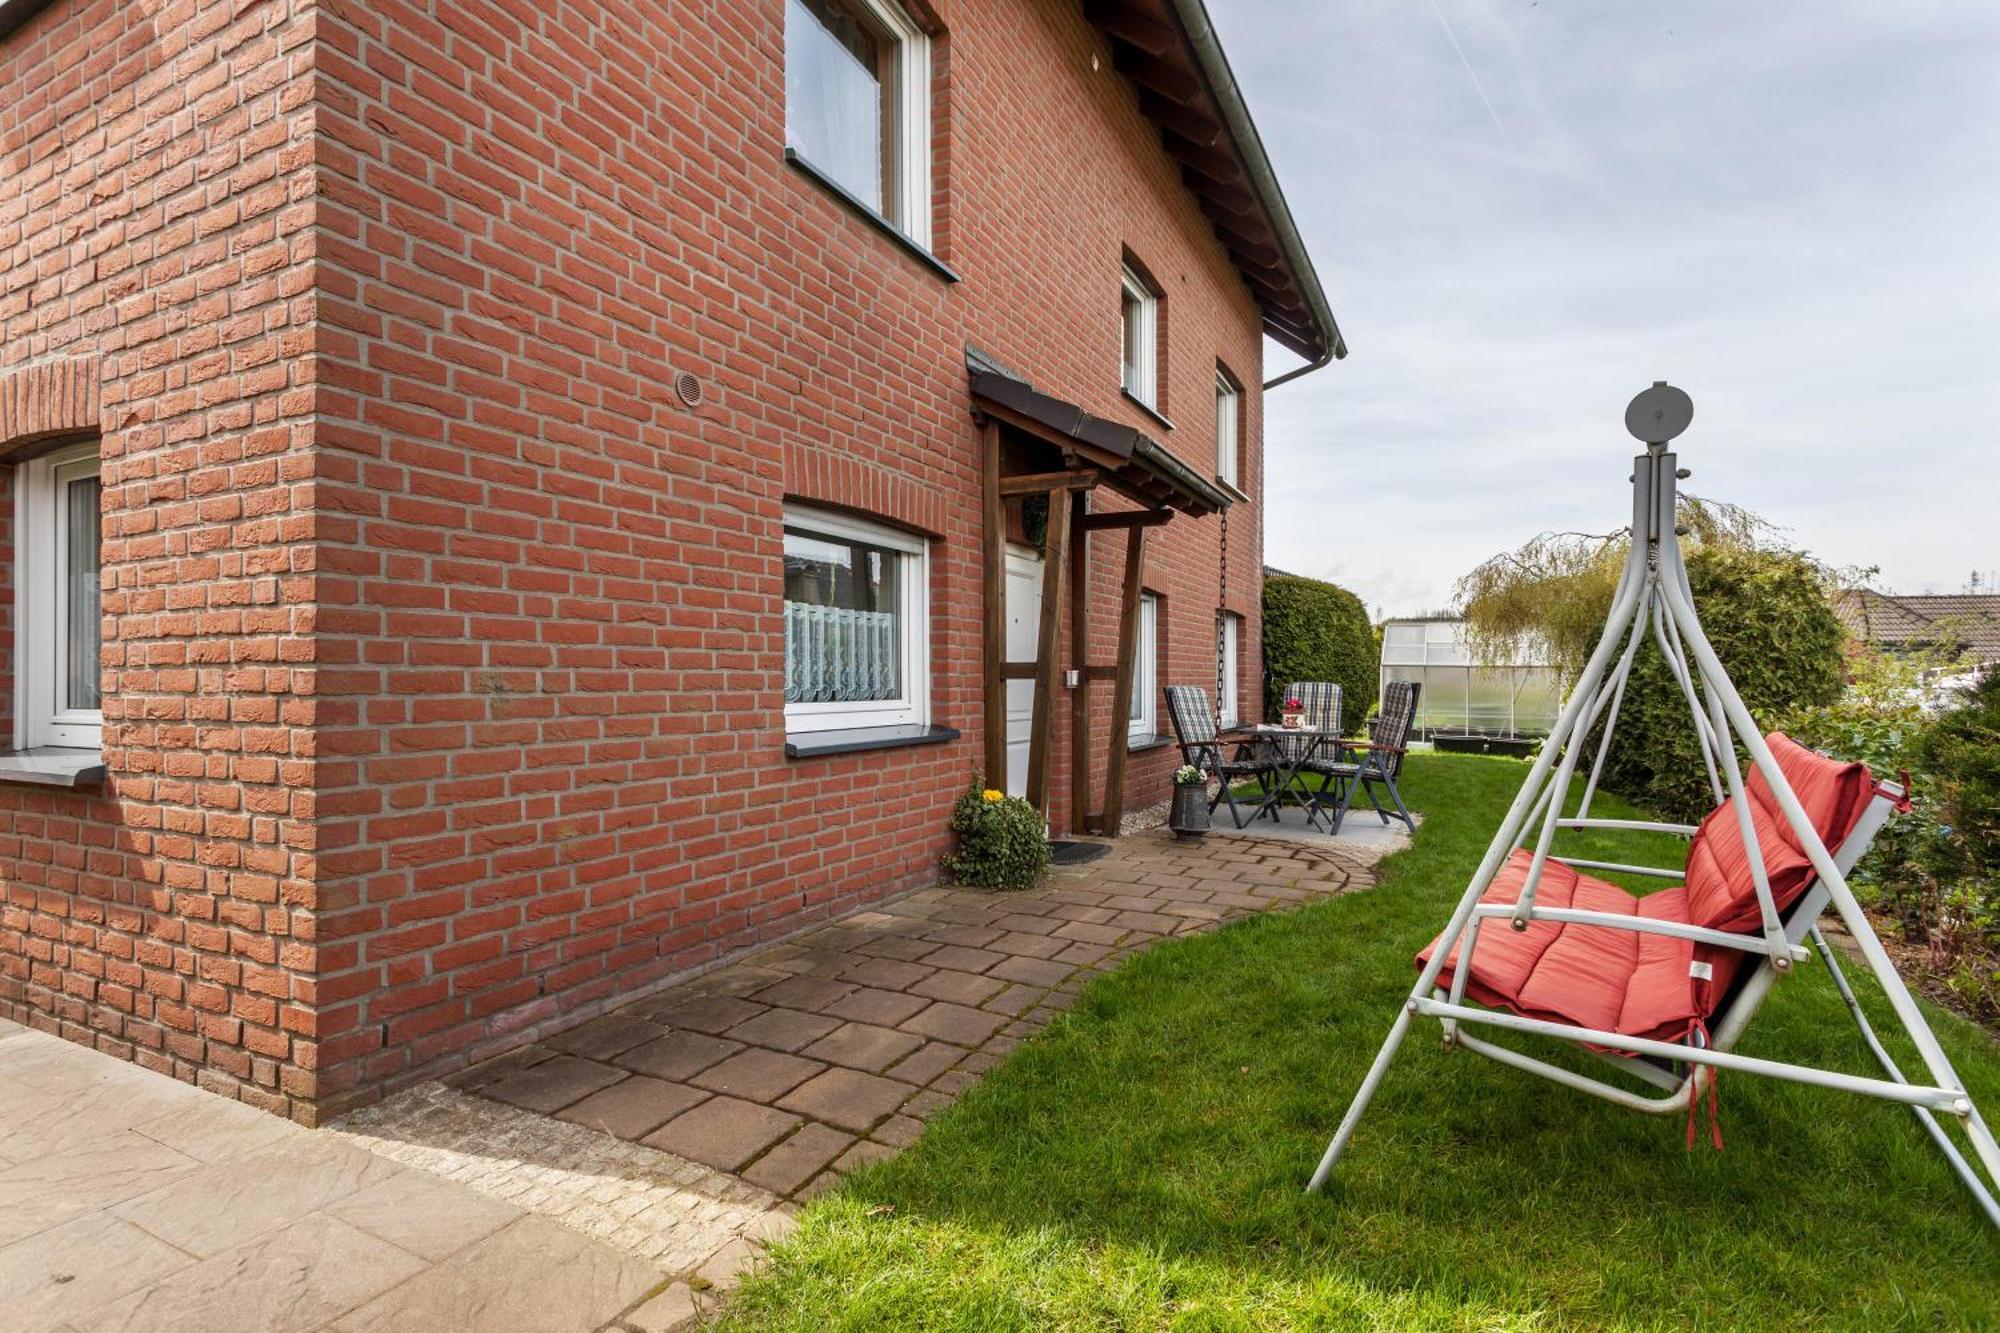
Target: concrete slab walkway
point(133, 1202)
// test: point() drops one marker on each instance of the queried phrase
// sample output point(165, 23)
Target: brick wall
point(155, 290)
point(444, 640)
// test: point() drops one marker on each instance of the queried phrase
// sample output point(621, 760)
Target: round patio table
point(1291, 748)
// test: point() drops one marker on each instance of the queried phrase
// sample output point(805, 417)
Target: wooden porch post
point(1048, 645)
point(1121, 690)
point(1079, 652)
point(993, 579)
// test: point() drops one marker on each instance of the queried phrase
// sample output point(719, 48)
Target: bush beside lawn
point(1140, 1165)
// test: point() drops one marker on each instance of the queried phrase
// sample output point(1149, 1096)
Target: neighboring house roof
point(1169, 52)
point(1969, 622)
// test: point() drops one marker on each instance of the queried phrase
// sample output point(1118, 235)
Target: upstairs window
point(858, 104)
point(1228, 429)
point(58, 608)
point(1142, 338)
point(857, 634)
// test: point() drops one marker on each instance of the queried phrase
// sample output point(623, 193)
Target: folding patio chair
point(1320, 701)
point(1380, 756)
point(1202, 745)
point(1663, 985)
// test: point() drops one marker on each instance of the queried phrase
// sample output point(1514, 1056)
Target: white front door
point(1024, 623)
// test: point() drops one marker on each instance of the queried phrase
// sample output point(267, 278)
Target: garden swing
point(1663, 985)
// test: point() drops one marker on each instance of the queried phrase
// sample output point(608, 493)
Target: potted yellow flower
point(1003, 842)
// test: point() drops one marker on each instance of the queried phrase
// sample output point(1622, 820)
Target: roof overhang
point(1169, 52)
point(13, 13)
point(1129, 461)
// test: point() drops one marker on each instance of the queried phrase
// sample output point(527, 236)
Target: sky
point(1524, 212)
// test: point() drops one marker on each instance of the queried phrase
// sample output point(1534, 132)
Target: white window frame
point(1228, 429)
point(1229, 639)
point(1139, 347)
point(913, 706)
point(907, 143)
point(41, 554)
point(1143, 727)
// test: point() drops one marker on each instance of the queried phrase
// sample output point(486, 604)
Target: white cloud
point(1788, 210)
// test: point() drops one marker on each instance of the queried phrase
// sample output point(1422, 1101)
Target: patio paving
point(130, 1201)
point(612, 1177)
point(794, 1064)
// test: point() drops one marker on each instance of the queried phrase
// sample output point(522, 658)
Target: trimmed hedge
point(1767, 615)
point(1319, 631)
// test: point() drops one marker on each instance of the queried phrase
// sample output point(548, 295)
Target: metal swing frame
point(1653, 600)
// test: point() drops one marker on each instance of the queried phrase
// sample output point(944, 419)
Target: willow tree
point(1766, 607)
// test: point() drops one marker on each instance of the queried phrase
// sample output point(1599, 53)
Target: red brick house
point(508, 503)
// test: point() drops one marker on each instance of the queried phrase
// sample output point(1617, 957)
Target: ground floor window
point(58, 608)
point(1227, 638)
point(1145, 718)
point(857, 600)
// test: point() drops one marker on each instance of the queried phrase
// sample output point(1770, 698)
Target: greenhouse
point(1461, 697)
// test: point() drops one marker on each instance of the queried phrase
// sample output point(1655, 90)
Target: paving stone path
point(616, 1177)
point(800, 1062)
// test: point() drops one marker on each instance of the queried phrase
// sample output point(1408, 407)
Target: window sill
point(819, 744)
point(1138, 743)
point(874, 219)
point(52, 766)
point(1145, 407)
point(1233, 491)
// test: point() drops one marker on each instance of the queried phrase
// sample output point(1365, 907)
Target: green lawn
point(1140, 1166)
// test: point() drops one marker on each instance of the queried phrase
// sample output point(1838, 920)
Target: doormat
point(1065, 853)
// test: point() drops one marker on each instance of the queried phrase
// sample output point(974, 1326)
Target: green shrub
point(1002, 841)
point(1933, 872)
point(1319, 631)
point(1767, 615)
point(1960, 754)
point(1958, 758)
point(1878, 720)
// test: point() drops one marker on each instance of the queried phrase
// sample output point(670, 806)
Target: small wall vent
point(688, 388)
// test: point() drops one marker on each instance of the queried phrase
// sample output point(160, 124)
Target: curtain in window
point(843, 621)
point(838, 77)
point(837, 655)
point(81, 615)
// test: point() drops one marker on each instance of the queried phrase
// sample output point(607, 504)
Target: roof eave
point(1249, 144)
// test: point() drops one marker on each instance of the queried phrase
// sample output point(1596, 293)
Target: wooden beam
point(1171, 82)
point(1184, 122)
point(993, 581)
point(1127, 518)
point(1018, 670)
point(1242, 231)
point(1134, 29)
point(1038, 483)
point(1048, 649)
point(1215, 165)
point(1121, 689)
point(1068, 444)
point(1103, 671)
point(1079, 650)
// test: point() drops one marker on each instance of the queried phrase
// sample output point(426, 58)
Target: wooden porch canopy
point(1082, 453)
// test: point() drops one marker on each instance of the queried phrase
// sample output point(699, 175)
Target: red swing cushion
point(1647, 985)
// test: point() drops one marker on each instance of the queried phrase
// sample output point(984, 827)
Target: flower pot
point(1189, 816)
point(1294, 721)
